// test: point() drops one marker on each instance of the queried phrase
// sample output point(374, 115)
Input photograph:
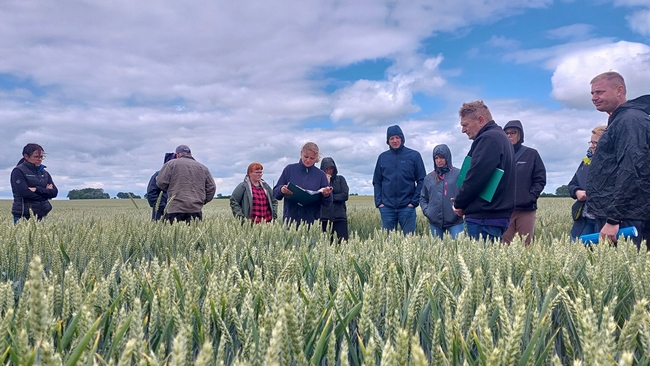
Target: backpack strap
point(520, 152)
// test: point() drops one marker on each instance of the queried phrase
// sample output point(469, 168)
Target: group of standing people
point(401, 183)
point(493, 196)
point(254, 200)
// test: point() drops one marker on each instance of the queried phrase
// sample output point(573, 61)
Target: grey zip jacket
point(435, 197)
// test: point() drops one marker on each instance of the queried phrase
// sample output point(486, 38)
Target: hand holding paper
point(326, 191)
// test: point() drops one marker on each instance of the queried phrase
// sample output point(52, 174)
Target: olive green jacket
point(241, 199)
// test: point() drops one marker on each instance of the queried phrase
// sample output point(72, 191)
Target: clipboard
point(301, 196)
point(492, 184)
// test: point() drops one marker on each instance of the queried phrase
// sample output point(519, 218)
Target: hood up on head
point(443, 150)
point(516, 124)
point(328, 162)
point(169, 156)
point(641, 103)
point(395, 130)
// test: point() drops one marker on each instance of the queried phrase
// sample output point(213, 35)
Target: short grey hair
point(475, 109)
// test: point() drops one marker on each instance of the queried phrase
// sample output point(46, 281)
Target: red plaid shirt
point(260, 210)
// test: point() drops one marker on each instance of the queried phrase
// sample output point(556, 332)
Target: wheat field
point(97, 283)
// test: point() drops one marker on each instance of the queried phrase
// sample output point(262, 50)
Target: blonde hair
point(475, 109)
point(253, 167)
point(311, 146)
point(599, 130)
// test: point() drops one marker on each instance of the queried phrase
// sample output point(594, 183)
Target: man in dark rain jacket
point(618, 184)
point(530, 180)
point(397, 182)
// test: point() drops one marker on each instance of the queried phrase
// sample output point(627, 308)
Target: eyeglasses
point(511, 133)
point(593, 143)
point(39, 157)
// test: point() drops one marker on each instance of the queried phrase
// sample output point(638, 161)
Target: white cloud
point(550, 57)
point(639, 22)
point(378, 101)
point(575, 32)
point(630, 3)
point(373, 101)
point(575, 70)
point(503, 42)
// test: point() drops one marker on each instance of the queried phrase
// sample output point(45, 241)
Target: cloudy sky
point(107, 87)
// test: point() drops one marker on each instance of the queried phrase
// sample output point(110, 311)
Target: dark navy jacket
point(310, 178)
point(27, 175)
point(399, 174)
point(153, 191)
point(579, 182)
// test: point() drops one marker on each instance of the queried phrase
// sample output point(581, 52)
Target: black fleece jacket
point(530, 173)
point(490, 150)
point(337, 211)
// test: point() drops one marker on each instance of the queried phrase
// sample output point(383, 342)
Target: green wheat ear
point(157, 205)
point(132, 200)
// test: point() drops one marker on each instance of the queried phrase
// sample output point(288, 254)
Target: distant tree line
point(561, 191)
point(88, 194)
point(127, 195)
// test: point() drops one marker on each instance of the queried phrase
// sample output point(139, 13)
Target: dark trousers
point(183, 216)
point(157, 215)
point(339, 227)
point(27, 217)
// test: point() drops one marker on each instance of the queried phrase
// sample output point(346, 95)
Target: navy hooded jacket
point(399, 174)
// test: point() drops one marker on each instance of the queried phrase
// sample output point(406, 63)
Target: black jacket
point(337, 211)
point(618, 184)
point(530, 173)
point(579, 182)
point(27, 175)
point(490, 150)
point(153, 191)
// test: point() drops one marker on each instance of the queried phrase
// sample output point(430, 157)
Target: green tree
point(562, 191)
point(88, 193)
point(124, 195)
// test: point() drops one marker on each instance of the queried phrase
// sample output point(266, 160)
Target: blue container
point(626, 232)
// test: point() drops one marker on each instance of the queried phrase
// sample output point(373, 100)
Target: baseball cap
point(183, 149)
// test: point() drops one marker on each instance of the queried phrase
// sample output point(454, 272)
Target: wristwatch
point(613, 221)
